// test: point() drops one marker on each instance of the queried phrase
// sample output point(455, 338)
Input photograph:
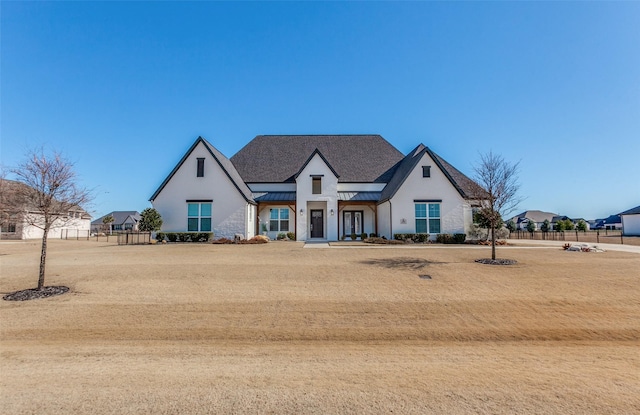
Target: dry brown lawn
point(181, 329)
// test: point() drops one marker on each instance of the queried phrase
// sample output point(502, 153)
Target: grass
point(279, 329)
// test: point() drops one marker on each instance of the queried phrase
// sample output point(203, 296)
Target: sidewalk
point(607, 247)
point(512, 243)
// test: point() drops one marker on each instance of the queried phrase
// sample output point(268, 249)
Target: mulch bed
point(34, 293)
point(498, 261)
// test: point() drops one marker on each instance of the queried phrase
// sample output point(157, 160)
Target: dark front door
point(317, 224)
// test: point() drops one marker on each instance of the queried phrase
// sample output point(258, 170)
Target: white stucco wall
point(327, 200)
point(384, 220)
point(71, 228)
point(455, 212)
point(631, 225)
point(272, 187)
point(361, 187)
point(229, 208)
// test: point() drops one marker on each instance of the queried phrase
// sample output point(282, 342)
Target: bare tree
point(499, 180)
point(49, 195)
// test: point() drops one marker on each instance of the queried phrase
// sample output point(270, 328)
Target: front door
point(352, 222)
point(317, 224)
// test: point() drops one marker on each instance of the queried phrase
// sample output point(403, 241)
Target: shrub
point(373, 235)
point(186, 236)
point(421, 238)
point(281, 236)
point(291, 235)
point(444, 238)
point(354, 236)
point(398, 236)
point(160, 236)
point(459, 238)
point(363, 236)
point(343, 237)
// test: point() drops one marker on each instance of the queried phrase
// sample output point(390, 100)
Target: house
point(18, 221)
point(613, 222)
point(536, 216)
point(320, 187)
point(631, 221)
point(123, 220)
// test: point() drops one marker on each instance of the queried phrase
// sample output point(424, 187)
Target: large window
point(279, 220)
point(428, 218)
point(199, 217)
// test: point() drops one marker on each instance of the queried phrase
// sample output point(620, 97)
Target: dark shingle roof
point(354, 158)
point(119, 217)
point(467, 188)
point(632, 211)
point(224, 163)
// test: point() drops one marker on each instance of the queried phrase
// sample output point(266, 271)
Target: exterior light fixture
point(301, 212)
point(332, 212)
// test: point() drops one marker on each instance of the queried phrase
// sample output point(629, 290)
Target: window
point(428, 218)
point(199, 217)
point(316, 187)
point(426, 171)
point(200, 172)
point(279, 220)
point(8, 227)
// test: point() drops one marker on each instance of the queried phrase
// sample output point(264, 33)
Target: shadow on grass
point(401, 262)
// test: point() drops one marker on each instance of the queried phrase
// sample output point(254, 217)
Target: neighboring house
point(17, 221)
point(612, 222)
point(317, 186)
point(123, 220)
point(536, 216)
point(631, 221)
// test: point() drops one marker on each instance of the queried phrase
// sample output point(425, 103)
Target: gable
point(217, 157)
point(467, 188)
point(279, 158)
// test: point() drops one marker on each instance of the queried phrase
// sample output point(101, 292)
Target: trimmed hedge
point(185, 236)
point(448, 238)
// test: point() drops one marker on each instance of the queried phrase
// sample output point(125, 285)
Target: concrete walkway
point(513, 244)
point(558, 244)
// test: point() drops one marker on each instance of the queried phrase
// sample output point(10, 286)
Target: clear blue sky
point(124, 88)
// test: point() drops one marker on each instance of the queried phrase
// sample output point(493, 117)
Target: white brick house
point(320, 187)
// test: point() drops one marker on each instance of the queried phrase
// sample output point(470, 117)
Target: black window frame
point(426, 171)
point(200, 168)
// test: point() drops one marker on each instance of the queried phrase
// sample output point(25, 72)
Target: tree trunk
point(493, 242)
point(43, 259)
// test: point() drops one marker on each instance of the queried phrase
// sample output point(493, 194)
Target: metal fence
point(75, 234)
point(605, 236)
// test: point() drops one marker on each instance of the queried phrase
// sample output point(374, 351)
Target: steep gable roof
point(467, 188)
point(316, 151)
point(224, 163)
point(354, 158)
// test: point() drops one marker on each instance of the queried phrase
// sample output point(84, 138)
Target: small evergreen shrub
point(291, 235)
point(172, 236)
point(160, 236)
point(281, 236)
point(459, 238)
point(363, 236)
point(354, 236)
point(444, 238)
